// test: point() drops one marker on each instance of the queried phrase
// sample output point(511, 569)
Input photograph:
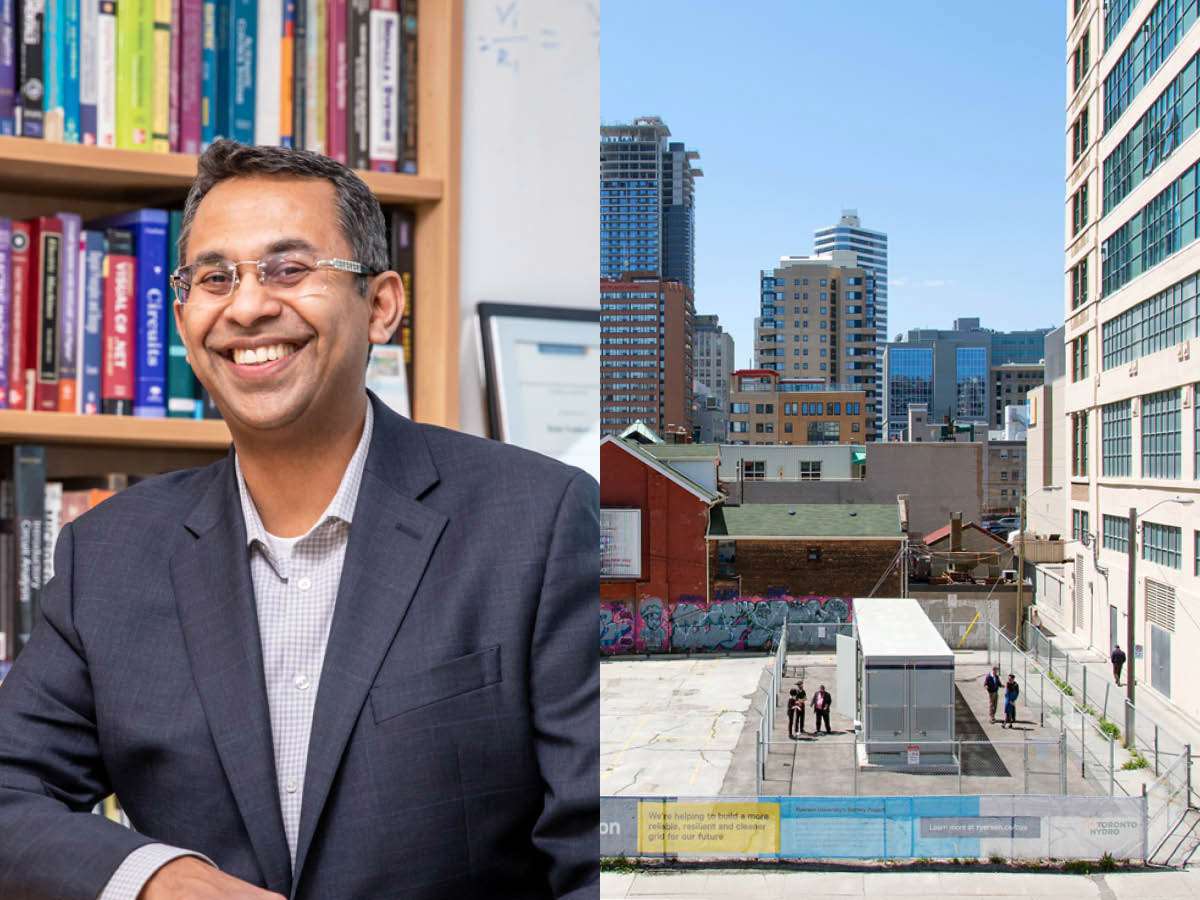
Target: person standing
point(792, 715)
point(1118, 660)
point(992, 684)
point(801, 700)
point(1011, 692)
point(821, 703)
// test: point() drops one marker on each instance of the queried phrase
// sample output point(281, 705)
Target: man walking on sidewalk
point(992, 684)
point(1118, 660)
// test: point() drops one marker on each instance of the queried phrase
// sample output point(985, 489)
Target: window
point(1116, 439)
point(1079, 524)
point(1079, 136)
point(1196, 426)
point(758, 409)
point(854, 426)
point(1116, 533)
point(1161, 445)
point(770, 427)
point(1081, 60)
point(754, 470)
point(739, 427)
point(1079, 444)
point(810, 470)
point(787, 427)
point(739, 409)
point(1004, 475)
point(758, 427)
point(791, 409)
point(814, 554)
point(1164, 320)
point(1079, 286)
point(1162, 544)
point(1079, 358)
point(1079, 209)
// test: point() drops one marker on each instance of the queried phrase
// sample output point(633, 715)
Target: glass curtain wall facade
point(971, 367)
point(909, 379)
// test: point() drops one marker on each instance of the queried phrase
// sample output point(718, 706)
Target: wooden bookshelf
point(40, 177)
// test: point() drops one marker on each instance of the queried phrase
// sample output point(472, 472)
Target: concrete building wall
point(996, 604)
point(783, 463)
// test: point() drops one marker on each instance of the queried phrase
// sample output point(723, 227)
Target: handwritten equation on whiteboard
point(518, 34)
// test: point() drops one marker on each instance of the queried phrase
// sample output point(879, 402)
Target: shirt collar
point(342, 505)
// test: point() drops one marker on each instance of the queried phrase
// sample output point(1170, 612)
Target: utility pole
point(1130, 603)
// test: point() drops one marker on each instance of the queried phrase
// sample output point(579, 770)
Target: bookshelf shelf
point(18, 426)
point(28, 164)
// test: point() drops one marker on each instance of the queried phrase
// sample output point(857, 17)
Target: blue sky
point(941, 123)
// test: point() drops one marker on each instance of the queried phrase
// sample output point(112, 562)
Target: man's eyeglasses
point(288, 276)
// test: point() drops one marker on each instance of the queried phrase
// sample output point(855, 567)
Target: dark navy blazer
point(455, 741)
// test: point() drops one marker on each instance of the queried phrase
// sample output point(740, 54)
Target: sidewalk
point(1151, 708)
point(718, 884)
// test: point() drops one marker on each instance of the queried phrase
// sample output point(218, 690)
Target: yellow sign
point(713, 828)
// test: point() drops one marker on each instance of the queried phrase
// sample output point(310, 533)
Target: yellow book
point(160, 139)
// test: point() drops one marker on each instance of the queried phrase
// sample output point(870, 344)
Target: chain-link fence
point(766, 723)
point(1166, 804)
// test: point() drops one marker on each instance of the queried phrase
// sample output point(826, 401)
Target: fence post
point(1104, 712)
point(758, 772)
point(1025, 755)
point(1082, 746)
point(1085, 686)
point(1187, 750)
point(1067, 677)
point(1112, 762)
point(1042, 701)
point(1155, 749)
point(1062, 762)
point(854, 762)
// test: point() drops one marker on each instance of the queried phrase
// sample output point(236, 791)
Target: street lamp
point(1021, 561)
point(1130, 603)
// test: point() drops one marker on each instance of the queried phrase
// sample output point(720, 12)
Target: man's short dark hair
point(359, 215)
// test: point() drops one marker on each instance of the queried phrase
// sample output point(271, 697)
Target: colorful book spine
point(210, 69)
point(31, 70)
point(6, 298)
point(46, 268)
point(336, 82)
point(135, 73)
point(181, 382)
point(358, 44)
point(319, 61)
point(313, 38)
point(403, 258)
point(384, 131)
point(299, 72)
point(8, 580)
point(116, 378)
point(71, 72)
point(287, 74)
point(269, 74)
point(51, 525)
point(160, 83)
point(408, 105)
point(173, 98)
point(68, 312)
point(18, 395)
point(106, 73)
point(191, 74)
point(53, 27)
point(243, 28)
point(8, 69)
point(29, 499)
point(89, 81)
point(91, 356)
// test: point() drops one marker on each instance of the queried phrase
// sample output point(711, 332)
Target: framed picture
point(543, 379)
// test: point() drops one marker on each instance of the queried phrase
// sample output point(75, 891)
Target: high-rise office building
point(713, 354)
point(646, 346)
point(959, 374)
point(815, 324)
point(647, 202)
point(872, 249)
point(1132, 275)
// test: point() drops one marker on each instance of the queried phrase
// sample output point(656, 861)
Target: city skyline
point(954, 151)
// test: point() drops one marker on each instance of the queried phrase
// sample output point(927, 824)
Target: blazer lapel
point(391, 539)
point(215, 597)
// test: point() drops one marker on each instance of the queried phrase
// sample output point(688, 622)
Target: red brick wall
point(845, 568)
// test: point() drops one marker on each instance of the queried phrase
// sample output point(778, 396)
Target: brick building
point(765, 408)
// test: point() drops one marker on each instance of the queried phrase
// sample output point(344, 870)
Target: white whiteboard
point(530, 167)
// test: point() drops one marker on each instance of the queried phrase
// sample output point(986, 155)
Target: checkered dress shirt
point(295, 586)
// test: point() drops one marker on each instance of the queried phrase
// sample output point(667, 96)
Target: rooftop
point(812, 520)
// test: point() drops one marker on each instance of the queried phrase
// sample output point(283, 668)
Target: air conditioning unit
point(1009, 576)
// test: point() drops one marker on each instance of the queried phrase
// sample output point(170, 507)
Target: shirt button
point(291, 785)
point(301, 682)
point(304, 584)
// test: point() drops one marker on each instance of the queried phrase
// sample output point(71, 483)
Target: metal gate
point(1160, 660)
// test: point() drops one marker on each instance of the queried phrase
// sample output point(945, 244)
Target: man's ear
point(177, 309)
point(386, 296)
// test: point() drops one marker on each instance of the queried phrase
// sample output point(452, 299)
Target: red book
point(45, 283)
point(191, 76)
point(18, 393)
point(335, 144)
point(116, 375)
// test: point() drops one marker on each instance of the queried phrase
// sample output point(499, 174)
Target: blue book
point(209, 131)
point(53, 27)
point(8, 67)
point(72, 128)
point(68, 313)
point(243, 54)
point(91, 356)
point(149, 228)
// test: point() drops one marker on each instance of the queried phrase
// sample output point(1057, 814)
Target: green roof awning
point(858, 456)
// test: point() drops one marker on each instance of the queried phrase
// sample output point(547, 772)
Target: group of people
point(821, 704)
point(1012, 690)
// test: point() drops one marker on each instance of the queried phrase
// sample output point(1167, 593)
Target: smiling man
point(351, 660)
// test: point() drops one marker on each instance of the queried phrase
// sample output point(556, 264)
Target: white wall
point(530, 167)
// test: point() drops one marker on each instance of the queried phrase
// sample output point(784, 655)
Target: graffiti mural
point(691, 624)
point(616, 628)
point(652, 624)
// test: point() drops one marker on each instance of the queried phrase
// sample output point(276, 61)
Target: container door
point(885, 719)
point(1160, 660)
point(931, 712)
point(845, 692)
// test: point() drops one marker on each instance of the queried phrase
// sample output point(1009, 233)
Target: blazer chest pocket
point(441, 682)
